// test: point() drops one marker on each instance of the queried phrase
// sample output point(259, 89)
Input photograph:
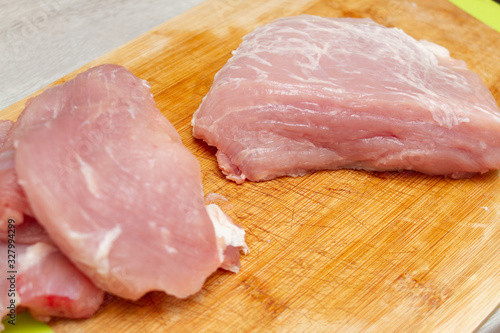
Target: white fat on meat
point(104, 248)
point(36, 253)
point(228, 235)
point(104, 245)
point(90, 179)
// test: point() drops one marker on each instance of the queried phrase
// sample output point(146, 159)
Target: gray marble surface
point(43, 40)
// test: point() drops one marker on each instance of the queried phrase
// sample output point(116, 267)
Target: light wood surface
point(347, 251)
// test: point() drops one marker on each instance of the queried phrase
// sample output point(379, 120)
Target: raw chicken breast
point(109, 179)
point(309, 93)
point(13, 203)
point(47, 284)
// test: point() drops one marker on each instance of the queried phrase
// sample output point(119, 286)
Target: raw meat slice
point(29, 232)
point(47, 284)
point(5, 126)
point(308, 93)
point(230, 238)
point(109, 179)
point(13, 202)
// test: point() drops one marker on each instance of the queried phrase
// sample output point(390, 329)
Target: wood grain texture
point(348, 251)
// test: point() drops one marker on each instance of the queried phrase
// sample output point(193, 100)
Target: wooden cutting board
point(348, 251)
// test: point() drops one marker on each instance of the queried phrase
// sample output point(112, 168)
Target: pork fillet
point(309, 93)
point(109, 179)
point(5, 126)
point(13, 202)
point(29, 232)
point(47, 284)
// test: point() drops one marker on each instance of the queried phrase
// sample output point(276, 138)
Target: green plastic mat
point(25, 324)
point(487, 11)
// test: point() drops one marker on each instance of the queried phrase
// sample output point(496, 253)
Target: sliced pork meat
point(309, 93)
point(47, 284)
point(109, 179)
point(5, 126)
point(29, 232)
point(230, 238)
point(13, 202)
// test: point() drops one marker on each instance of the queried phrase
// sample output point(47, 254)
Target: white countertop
point(44, 40)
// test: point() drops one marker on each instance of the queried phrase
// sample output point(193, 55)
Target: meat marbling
point(109, 179)
point(308, 93)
